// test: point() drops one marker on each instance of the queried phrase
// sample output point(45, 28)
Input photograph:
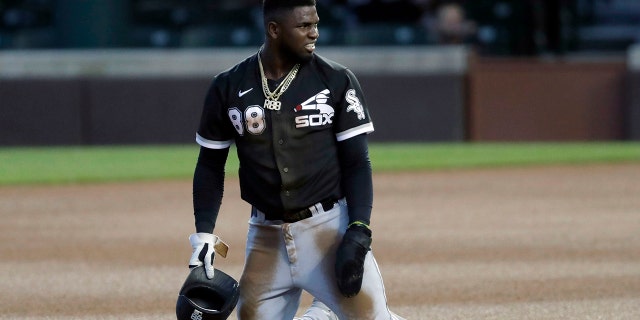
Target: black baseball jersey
point(288, 157)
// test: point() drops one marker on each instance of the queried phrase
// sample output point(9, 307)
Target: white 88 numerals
point(254, 120)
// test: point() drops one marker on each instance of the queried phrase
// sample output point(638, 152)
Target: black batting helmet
point(207, 299)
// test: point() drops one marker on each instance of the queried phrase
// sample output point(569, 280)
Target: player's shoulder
point(230, 79)
point(335, 74)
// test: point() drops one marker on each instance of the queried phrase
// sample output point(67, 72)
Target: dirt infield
point(518, 243)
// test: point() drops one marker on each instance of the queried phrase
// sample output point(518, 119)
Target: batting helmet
point(207, 299)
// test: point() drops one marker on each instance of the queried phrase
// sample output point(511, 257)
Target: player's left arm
point(358, 188)
point(353, 123)
point(355, 166)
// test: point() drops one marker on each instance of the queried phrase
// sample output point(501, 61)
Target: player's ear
point(273, 29)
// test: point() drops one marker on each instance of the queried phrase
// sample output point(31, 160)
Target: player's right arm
point(208, 187)
point(208, 178)
point(214, 138)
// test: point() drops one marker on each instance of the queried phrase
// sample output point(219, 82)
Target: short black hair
point(269, 7)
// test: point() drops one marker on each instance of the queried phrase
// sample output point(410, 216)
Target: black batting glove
point(355, 244)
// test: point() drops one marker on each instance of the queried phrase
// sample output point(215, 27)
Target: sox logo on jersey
point(317, 102)
point(354, 104)
point(255, 121)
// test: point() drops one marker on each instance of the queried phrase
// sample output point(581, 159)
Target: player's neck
point(275, 65)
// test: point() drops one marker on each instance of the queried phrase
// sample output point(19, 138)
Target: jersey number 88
point(254, 119)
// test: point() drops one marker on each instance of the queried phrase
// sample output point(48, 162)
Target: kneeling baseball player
point(300, 123)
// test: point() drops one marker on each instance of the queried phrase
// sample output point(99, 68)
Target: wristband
point(359, 223)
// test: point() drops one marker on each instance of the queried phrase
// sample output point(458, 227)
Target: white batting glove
point(205, 246)
point(203, 251)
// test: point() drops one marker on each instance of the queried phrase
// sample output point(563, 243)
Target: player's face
point(300, 32)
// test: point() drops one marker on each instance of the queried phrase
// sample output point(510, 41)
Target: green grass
point(53, 165)
point(395, 157)
point(59, 165)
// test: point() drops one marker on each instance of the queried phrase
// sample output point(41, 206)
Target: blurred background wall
point(76, 72)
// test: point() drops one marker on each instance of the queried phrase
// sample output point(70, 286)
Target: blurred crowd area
point(493, 27)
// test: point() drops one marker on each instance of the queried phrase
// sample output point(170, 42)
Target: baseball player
point(299, 123)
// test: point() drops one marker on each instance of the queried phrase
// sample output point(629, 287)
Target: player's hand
point(355, 244)
point(203, 251)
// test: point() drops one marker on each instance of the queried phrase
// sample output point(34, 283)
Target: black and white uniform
point(295, 171)
point(288, 157)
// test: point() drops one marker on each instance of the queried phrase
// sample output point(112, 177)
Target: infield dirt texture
point(516, 243)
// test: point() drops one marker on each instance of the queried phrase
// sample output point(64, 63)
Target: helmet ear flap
point(202, 298)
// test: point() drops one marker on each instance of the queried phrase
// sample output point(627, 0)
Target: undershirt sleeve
point(208, 187)
point(356, 180)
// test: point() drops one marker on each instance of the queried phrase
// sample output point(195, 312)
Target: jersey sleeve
point(352, 116)
point(214, 131)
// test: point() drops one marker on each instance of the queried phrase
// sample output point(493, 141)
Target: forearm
point(208, 188)
point(357, 180)
point(357, 185)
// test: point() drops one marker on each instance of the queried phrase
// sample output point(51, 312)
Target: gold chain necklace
point(271, 102)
